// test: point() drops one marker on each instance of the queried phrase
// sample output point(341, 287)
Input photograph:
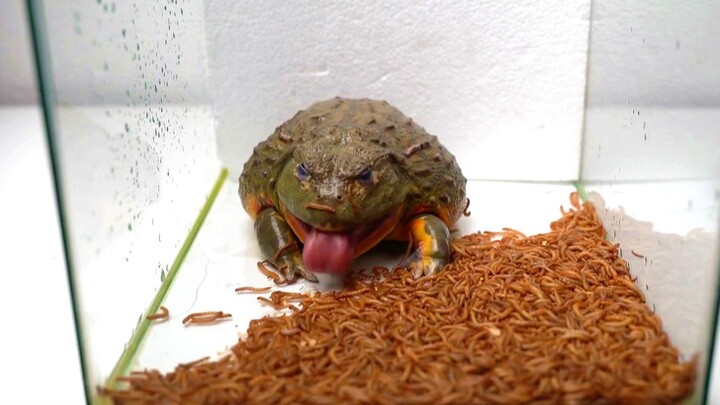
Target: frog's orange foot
point(431, 239)
point(424, 266)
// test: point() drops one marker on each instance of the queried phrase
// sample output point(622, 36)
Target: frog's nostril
point(339, 197)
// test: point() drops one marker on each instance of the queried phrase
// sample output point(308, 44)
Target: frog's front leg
point(431, 243)
point(279, 245)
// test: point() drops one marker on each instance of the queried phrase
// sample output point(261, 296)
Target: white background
point(495, 80)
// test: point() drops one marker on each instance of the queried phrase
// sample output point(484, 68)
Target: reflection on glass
point(650, 156)
point(133, 139)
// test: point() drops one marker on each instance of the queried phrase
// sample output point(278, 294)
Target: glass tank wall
point(132, 138)
point(153, 108)
point(650, 157)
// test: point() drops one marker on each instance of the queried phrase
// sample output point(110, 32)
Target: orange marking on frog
point(254, 205)
point(422, 238)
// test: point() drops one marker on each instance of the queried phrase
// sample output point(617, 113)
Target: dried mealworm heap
point(546, 319)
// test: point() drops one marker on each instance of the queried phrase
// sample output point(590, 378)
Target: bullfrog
point(342, 175)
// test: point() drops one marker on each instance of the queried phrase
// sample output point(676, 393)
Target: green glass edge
point(128, 355)
point(713, 335)
point(580, 188)
point(38, 35)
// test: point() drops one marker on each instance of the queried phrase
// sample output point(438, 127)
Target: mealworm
point(282, 249)
point(253, 289)
point(410, 150)
point(319, 207)
point(205, 317)
point(268, 273)
point(164, 314)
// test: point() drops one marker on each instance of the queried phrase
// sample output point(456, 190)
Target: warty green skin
point(336, 140)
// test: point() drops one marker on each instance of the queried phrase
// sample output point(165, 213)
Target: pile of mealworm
point(553, 318)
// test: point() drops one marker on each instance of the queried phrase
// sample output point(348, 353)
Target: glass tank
point(152, 109)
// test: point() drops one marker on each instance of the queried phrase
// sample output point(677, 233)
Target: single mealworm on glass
point(271, 303)
point(253, 289)
point(205, 317)
point(164, 314)
point(467, 206)
point(515, 232)
point(276, 278)
point(194, 362)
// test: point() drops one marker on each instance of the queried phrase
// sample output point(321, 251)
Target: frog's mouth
point(331, 248)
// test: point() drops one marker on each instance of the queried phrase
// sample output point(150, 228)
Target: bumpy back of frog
point(431, 177)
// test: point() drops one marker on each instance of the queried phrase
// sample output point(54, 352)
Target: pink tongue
point(327, 252)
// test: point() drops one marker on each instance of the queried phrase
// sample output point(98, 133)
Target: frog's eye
point(365, 177)
point(302, 172)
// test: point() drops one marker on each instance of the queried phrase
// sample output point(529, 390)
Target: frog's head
point(341, 196)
